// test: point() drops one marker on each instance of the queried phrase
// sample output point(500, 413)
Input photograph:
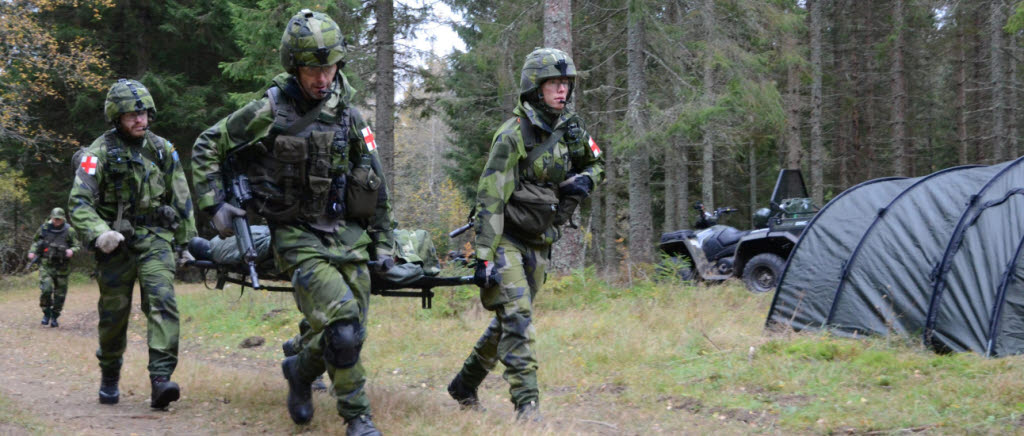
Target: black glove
point(579, 184)
point(222, 219)
point(487, 274)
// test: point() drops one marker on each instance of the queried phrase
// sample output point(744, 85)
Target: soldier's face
point(555, 92)
point(316, 81)
point(57, 222)
point(134, 124)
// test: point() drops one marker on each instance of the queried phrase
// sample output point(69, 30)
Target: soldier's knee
point(343, 341)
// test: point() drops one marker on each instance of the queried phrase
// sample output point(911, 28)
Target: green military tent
point(938, 256)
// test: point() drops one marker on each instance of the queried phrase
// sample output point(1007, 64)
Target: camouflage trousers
point(150, 260)
point(510, 336)
point(332, 284)
point(53, 286)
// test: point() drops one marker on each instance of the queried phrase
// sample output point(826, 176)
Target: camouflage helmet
point(543, 64)
point(761, 216)
point(311, 39)
point(127, 95)
point(57, 213)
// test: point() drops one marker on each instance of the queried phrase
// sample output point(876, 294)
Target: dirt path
point(49, 380)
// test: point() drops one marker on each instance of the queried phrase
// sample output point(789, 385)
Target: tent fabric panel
point(887, 288)
point(806, 287)
point(1009, 335)
point(978, 264)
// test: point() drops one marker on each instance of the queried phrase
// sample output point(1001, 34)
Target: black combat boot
point(108, 387)
point(46, 318)
point(465, 395)
point(290, 349)
point(164, 391)
point(361, 425)
point(528, 412)
point(300, 395)
point(53, 322)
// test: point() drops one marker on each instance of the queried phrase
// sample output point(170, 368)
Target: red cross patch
point(89, 164)
point(368, 138)
point(594, 148)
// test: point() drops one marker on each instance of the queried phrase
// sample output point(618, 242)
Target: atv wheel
point(761, 274)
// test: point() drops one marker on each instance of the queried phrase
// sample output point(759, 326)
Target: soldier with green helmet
point(53, 245)
point(541, 164)
point(130, 201)
point(304, 159)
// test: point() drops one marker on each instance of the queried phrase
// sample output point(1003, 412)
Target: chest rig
point(298, 172)
point(124, 189)
point(56, 241)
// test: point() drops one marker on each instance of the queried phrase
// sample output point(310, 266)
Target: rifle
point(40, 251)
point(466, 227)
point(461, 230)
point(241, 192)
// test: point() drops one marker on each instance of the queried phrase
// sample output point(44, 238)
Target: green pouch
point(532, 209)
point(361, 193)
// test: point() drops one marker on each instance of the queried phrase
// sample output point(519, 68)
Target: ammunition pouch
point(55, 254)
point(361, 193)
point(531, 209)
point(291, 178)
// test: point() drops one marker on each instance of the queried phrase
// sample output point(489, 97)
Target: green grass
point(652, 357)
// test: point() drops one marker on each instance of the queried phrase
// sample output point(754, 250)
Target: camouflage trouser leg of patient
point(510, 336)
point(152, 262)
point(332, 289)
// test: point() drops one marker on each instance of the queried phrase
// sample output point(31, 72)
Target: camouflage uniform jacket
point(47, 233)
point(254, 122)
point(147, 176)
point(576, 153)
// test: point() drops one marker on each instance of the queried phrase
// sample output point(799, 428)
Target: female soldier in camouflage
point(312, 164)
point(542, 162)
point(130, 200)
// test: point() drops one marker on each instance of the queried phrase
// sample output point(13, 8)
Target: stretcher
point(407, 279)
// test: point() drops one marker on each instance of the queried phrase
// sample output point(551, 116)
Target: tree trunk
point(568, 252)
point(708, 143)
point(671, 176)
point(752, 170)
point(817, 142)
point(900, 141)
point(558, 25)
point(384, 134)
point(794, 149)
point(997, 74)
point(640, 232)
point(961, 87)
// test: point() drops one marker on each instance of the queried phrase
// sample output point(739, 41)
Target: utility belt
point(164, 217)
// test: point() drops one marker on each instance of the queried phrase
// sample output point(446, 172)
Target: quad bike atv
point(714, 252)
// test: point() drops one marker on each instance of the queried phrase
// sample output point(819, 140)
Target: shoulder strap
point(526, 128)
point(274, 95)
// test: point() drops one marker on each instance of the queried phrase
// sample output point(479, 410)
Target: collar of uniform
point(525, 109)
point(341, 94)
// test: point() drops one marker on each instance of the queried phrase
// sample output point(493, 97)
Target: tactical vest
point(122, 188)
point(298, 172)
point(55, 242)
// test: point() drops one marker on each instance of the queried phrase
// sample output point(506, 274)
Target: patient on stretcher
point(415, 256)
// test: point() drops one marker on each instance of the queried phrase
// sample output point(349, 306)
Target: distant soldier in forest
point(311, 162)
point(542, 163)
point(130, 200)
point(54, 244)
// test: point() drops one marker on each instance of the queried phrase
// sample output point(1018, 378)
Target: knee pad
point(342, 342)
